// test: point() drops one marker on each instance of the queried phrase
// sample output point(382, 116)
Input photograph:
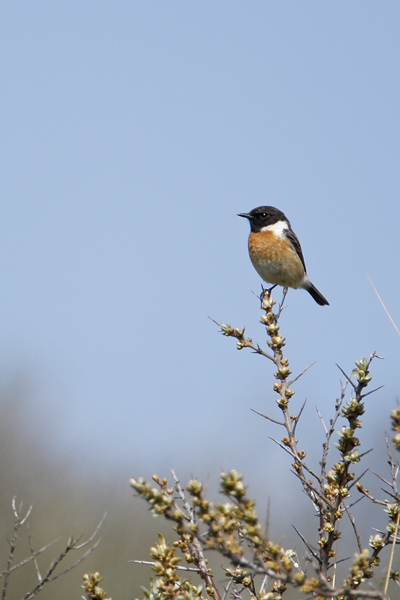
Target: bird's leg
point(285, 291)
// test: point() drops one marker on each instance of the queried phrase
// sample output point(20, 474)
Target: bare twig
point(389, 567)
point(77, 562)
point(325, 446)
point(383, 305)
point(302, 373)
point(394, 467)
point(347, 377)
point(227, 588)
point(322, 421)
point(19, 521)
point(373, 391)
point(353, 523)
point(152, 563)
point(353, 483)
point(267, 417)
point(307, 483)
point(314, 553)
point(35, 562)
point(200, 558)
point(29, 558)
point(297, 419)
point(50, 575)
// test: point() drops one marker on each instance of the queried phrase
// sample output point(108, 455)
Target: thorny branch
point(233, 528)
point(51, 575)
point(196, 547)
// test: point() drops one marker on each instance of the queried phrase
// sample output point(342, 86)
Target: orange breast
point(275, 260)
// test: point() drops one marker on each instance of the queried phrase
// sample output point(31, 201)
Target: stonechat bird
point(276, 253)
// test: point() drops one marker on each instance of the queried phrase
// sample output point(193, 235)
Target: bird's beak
point(245, 215)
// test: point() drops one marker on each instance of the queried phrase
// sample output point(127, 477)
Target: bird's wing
point(292, 238)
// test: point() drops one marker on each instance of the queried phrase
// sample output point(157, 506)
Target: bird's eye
point(264, 215)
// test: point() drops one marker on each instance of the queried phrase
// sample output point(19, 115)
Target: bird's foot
point(266, 291)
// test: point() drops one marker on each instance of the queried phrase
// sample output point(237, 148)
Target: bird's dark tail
point(318, 297)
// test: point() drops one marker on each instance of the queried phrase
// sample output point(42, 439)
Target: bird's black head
point(263, 216)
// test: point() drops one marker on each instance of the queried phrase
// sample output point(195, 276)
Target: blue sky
point(132, 134)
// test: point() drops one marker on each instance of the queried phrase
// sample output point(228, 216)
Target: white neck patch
point(277, 227)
